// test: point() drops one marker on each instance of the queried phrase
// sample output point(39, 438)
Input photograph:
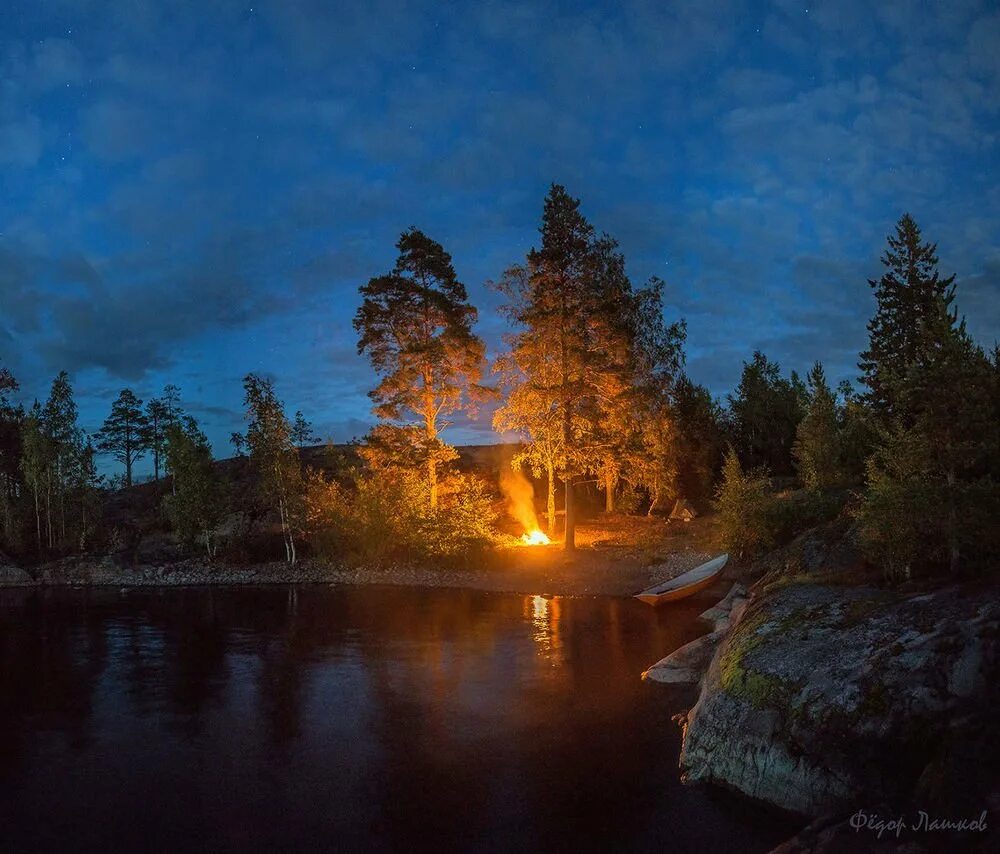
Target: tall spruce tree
point(908, 294)
point(125, 432)
point(933, 496)
point(415, 325)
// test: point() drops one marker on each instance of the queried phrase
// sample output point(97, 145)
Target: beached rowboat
point(686, 584)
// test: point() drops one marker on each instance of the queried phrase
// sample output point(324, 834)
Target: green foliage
point(788, 515)
point(817, 449)
point(196, 505)
point(932, 498)
point(274, 457)
point(742, 502)
point(415, 325)
point(125, 432)
point(765, 412)
point(909, 293)
point(591, 359)
point(700, 439)
point(380, 518)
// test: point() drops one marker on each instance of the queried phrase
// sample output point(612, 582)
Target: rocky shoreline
point(827, 699)
point(555, 576)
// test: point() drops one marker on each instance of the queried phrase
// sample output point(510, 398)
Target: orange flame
point(520, 495)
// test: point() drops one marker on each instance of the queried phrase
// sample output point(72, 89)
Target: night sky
point(192, 191)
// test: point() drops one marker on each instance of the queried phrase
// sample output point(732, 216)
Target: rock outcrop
point(822, 697)
point(687, 665)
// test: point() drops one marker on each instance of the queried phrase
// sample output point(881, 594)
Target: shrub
point(742, 502)
point(385, 516)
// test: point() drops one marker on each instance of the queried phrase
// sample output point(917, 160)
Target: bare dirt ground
point(615, 554)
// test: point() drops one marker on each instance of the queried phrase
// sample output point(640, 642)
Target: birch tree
point(273, 456)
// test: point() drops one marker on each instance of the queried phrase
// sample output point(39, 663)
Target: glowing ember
point(535, 538)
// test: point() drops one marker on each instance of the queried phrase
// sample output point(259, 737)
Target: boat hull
point(677, 589)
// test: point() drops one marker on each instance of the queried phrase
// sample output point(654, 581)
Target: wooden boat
point(686, 584)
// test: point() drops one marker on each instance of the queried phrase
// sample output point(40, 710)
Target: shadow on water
point(346, 719)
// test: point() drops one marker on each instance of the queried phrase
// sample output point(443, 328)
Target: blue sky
point(192, 191)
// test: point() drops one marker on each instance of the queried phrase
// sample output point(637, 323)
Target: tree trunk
point(569, 542)
point(953, 548)
point(128, 469)
point(38, 519)
point(432, 480)
point(550, 509)
point(609, 490)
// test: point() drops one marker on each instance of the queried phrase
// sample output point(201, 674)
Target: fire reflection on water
point(544, 613)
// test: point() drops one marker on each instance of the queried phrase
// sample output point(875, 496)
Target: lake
point(347, 718)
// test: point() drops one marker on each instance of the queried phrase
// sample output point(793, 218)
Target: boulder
point(821, 697)
point(687, 665)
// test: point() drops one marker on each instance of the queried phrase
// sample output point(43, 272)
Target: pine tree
point(567, 349)
point(415, 325)
point(817, 449)
point(125, 432)
point(908, 294)
point(302, 433)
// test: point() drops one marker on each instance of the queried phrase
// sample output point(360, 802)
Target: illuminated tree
point(125, 432)
point(274, 456)
point(562, 349)
point(531, 413)
point(415, 325)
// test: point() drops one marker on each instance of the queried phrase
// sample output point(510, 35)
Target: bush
point(788, 515)
point(742, 502)
point(385, 517)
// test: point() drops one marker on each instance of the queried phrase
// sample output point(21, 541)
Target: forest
point(591, 379)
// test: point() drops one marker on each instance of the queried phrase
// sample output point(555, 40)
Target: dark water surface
point(283, 719)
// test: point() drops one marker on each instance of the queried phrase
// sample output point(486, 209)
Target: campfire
point(535, 538)
point(520, 495)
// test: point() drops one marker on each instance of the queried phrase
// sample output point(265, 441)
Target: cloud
point(117, 130)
